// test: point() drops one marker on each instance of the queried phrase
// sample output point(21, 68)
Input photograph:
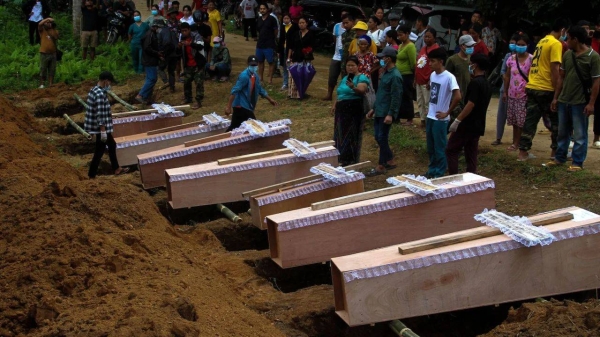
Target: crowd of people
point(384, 66)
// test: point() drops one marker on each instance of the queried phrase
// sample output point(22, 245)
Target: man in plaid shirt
point(98, 121)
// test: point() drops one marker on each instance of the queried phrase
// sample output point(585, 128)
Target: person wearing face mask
point(137, 31)
point(514, 95)
point(458, 65)
point(98, 121)
point(501, 113)
point(543, 78)
point(219, 67)
point(155, 15)
point(244, 95)
point(469, 126)
point(385, 110)
point(152, 53)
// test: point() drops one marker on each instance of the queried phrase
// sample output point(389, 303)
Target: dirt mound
point(96, 257)
point(552, 318)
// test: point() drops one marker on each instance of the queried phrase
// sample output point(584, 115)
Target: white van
point(444, 19)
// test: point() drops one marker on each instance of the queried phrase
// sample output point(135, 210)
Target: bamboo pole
point(81, 101)
point(77, 127)
point(146, 111)
point(229, 214)
point(401, 330)
point(125, 104)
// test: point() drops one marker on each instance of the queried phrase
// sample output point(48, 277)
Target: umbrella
point(302, 74)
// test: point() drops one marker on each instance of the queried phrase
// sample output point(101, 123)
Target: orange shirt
point(48, 39)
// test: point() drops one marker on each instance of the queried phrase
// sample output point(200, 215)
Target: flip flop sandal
point(573, 168)
point(511, 148)
point(551, 164)
point(123, 171)
point(530, 156)
point(374, 172)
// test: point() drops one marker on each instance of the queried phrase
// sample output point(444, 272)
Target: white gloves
point(454, 125)
point(103, 136)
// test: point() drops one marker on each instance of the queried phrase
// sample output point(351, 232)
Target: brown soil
point(104, 257)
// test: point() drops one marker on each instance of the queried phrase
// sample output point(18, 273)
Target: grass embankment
point(20, 62)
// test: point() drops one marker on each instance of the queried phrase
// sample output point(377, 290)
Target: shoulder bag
point(587, 85)
point(521, 71)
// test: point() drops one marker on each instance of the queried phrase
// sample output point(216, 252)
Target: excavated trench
point(246, 237)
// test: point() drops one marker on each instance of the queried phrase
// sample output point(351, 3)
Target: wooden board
point(128, 155)
point(153, 174)
point(228, 187)
point(133, 128)
point(305, 200)
point(507, 275)
point(420, 219)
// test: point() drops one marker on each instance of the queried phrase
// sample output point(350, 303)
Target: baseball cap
point(252, 60)
point(388, 51)
point(107, 75)
point(393, 16)
point(361, 25)
point(467, 40)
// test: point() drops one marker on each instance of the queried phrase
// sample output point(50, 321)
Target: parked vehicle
point(444, 19)
point(115, 22)
point(323, 15)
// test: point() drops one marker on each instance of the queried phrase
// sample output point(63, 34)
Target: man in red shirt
point(479, 47)
point(194, 60)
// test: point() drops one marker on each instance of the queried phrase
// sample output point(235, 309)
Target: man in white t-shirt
point(394, 19)
point(336, 61)
point(248, 9)
point(445, 96)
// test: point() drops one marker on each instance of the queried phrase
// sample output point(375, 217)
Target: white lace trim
point(209, 146)
point(332, 173)
point(416, 188)
point(249, 166)
point(163, 109)
point(177, 134)
point(297, 147)
point(143, 118)
point(213, 119)
point(462, 254)
point(383, 206)
point(517, 228)
point(296, 192)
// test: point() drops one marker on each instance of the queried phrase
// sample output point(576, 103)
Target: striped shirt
point(98, 112)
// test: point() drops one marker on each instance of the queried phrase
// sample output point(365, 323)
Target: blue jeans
point(382, 135)
point(437, 139)
point(572, 120)
point(136, 57)
point(148, 87)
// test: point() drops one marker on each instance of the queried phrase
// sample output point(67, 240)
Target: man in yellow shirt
point(543, 78)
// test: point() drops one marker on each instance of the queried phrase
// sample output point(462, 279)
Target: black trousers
point(597, 117)
point(33, 33)
point(239, 116)
point(99, 152)
point(171, 65)
point(252, 24)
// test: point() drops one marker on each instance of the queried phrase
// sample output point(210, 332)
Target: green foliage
point(19, 62)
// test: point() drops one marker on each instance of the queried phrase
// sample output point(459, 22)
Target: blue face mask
point(471, 69)
point(382, 63)
point(512, 47)
point(521, 49)
point(253, 69)
point(137, 18)
point(563, 38)
point(469, 50)
point(216, 45)
point(154, 12)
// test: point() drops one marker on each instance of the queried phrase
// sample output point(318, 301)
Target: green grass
point(19, 62)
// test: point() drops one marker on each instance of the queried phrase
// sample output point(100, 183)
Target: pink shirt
point(296, 11)
point(516, 87)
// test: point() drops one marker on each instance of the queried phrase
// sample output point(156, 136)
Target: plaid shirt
point(98, 113)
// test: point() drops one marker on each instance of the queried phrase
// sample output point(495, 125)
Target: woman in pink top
point(515, 80)
point(295, 11)
point(423, 72)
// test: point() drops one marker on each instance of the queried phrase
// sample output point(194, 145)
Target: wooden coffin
point(306, 236)
point(133, 125)
point(128, 148)
point(299, 196)
point(212, 183)
point(153, 164)
point(382, 285)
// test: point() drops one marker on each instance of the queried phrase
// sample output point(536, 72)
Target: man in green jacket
point(385, 110)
